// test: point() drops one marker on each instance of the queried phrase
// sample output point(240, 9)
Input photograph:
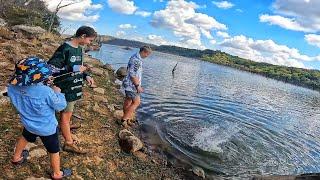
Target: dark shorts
point(51, 143)
point(132, 95)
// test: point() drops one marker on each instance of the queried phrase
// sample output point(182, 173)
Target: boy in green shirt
point(69, 59)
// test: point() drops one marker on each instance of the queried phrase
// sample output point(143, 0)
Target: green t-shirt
point(69, 59)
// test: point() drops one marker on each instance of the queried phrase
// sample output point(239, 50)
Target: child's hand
point(83, 68)
point(56, 89)
point(90, 80)
point(139, 89)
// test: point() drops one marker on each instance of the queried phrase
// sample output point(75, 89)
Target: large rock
point(30, 146)
point(31, 31)
point(121, 72)
point(107, 67)
point(128, 142)
point(2, 22)
point(37, 153)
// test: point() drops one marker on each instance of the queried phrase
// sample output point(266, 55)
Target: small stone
point(37, 153)
point(118, 114)
point(199, 172)
point(2, 22)
point(97, 71)
point(99, 90)
point(111, 107)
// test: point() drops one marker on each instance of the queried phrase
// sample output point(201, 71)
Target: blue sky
point(284, 32)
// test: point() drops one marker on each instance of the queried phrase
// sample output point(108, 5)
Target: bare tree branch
point(57, 10)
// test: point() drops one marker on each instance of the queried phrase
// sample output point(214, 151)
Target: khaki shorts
point(70, 106)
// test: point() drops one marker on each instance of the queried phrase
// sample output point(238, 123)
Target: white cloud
point(284, 22)
point(296, 15)
point(127, 26)
point(180, 17)
point(223, 4)
point(313, 39)
point(206, 33)
point(223, 34)
point(213, 41)
point(143, 13)
point(120, 34)
point(81, 10)
point(122, 6)
point(264, 51)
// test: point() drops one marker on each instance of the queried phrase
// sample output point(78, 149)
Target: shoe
point(65, 173)
point(24, 156)
point(74, 148)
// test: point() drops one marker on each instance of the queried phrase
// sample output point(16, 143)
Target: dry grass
point(5, 33)
point(49, 37)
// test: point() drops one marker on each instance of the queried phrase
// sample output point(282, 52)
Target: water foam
point(211, 138)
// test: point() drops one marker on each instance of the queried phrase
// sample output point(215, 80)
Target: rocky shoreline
point(97, 113)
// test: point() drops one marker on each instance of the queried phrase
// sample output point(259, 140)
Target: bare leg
point(132, 108)
point(65, 126)
point(21, 144)
point(55, 164)
point(126, 105)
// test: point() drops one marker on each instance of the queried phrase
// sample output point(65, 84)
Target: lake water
point(226, 121)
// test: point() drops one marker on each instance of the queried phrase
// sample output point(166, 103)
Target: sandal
point(65, 173)
point(24, 156)
point(93, 86)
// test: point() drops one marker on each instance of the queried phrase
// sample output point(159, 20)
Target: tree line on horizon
point(309, 78)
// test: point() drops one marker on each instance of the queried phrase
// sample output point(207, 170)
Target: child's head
point(85, 35)
point(145, 51)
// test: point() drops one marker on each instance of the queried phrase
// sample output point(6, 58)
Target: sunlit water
point(227, 121)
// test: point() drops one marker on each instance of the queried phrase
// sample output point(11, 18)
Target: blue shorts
point(51, 143)
point(132, 95)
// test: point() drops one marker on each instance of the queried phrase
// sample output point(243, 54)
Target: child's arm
point(58, 59)
point(57, 100)
point(132, 70)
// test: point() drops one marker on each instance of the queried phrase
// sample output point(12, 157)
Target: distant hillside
point(297, 76)
point(124, 42)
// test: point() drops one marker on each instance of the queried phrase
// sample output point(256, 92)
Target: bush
point(36, 13)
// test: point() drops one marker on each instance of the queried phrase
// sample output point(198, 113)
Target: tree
point(55, 13)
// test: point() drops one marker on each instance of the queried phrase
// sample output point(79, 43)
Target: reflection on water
point(225, 120)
